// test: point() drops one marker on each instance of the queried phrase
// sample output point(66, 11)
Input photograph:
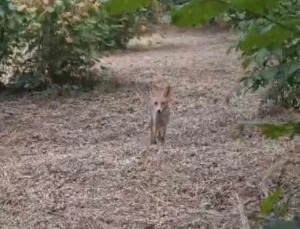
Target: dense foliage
point(57, 41)
point(269, 41)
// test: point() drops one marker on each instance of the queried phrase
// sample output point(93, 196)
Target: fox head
point(160, 98)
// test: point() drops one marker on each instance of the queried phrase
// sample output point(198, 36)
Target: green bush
point(50, 43)
point(273, 62)
point(269, 41)
point(56, 42)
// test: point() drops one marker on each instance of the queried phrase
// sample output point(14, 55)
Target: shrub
point(54, 42)
point(269, 41)
point(273, 62)
point(57, 41)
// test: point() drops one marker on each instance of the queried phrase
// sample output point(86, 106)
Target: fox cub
point(160, 113)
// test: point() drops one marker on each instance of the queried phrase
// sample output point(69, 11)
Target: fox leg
point(162, 134)
point(153, 133)
point(159, 134)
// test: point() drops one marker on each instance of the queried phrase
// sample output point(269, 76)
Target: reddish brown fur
point(160, 113)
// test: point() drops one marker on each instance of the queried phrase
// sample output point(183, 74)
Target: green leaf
point(31, 9)
point(198, 12)
point(271, 37)
point(50, 9)
point(2, 13)
point(268, 74)
point(256, 6)
point(267, 204)
point(21, 8)
point(291, 69)
point(275, 131)
point(115, 7)
point(11, 6)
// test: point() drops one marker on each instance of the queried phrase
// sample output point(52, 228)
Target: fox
point(160, 113)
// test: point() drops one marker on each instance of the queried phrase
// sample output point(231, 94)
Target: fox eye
point(162, 103)
point(155, 103)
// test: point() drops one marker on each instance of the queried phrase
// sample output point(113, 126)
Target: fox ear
point(167, 91)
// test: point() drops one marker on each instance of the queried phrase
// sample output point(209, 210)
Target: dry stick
point(224, 225)
point(272, 169)
point(153, 196)
point(244, 219)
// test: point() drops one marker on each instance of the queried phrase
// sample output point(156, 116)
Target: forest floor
point(86, 161)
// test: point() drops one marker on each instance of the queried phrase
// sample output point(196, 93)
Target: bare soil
point(86, 162)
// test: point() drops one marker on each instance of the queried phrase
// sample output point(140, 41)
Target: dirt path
point(86, 162)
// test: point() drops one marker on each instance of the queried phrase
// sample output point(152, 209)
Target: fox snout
point(160, 106)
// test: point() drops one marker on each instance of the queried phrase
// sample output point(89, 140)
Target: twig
point(152, 196)
point(244, 218)
point(224, 225)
